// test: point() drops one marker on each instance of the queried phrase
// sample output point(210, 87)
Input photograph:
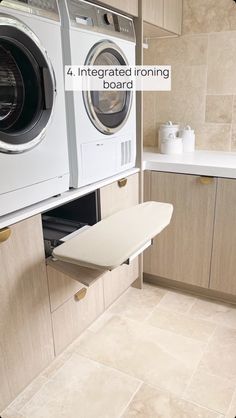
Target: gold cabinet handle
point(4, 234)
point(122, 182)
point(80, 294)
point(206, 180)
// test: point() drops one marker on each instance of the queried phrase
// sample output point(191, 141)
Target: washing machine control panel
point(43, 8)
point(99, 19)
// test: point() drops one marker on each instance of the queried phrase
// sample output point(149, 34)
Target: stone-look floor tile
point(136, 304)
point(203, 16)
point(83, 388)
point(218, 313)
point(11, 413)
point(28, 393)
point(219, 109)
point(154, 403)
point(155, 356)
point(100, 322)
point(177, 302)
point(213, 136)
point(56, 364)
point(211, 391)
point(220, 356)
point(182, 324)
point(72, 348)
point(231, 413)
point(221, 49)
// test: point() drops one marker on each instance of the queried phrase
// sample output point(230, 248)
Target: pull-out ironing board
point(116, 239)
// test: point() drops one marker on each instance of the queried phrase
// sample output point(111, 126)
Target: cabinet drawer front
point(119, 195)
point(117, 281)
point(70, 319)
point(61, 287)
point(182, 252)
point(65, 279)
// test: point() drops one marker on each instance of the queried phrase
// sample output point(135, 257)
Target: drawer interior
point(64, 222)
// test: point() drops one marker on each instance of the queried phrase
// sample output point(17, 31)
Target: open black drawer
point(66, 221)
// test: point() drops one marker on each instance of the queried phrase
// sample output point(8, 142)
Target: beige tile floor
point(154, 354)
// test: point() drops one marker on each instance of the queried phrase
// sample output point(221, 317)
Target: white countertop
point(53, 202)
point(203, 163)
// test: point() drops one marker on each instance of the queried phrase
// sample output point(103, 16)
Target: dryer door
point(108, 110)
point(27, 87)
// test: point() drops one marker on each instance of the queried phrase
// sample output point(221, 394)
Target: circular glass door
point(108, 110)
point(27, 87)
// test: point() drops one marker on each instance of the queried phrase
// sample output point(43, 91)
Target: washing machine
point(33, 135)
point(102, 124)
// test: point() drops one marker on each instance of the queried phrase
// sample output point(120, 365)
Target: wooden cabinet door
point(119, 195)
point(153, 12)
point(173, 15)
point(128, 7)
point(223, 271)
point(26, 344)
point(182, 252)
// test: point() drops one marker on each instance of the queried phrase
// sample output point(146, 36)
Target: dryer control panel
point(99, 19)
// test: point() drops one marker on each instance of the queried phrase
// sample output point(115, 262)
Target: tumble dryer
point(101, 124)
point(33, 136)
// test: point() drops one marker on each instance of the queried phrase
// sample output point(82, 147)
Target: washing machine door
point(27, 87)
point(108, 110)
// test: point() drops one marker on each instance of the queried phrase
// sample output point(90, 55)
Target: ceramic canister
point(168, 128)
point(172, 145)
point(188, 136)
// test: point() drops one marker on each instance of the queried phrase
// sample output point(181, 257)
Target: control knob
point(108, 18)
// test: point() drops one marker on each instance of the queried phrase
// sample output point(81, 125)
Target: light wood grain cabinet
point(182, 252)
point(114, 197)
point(153, 12)
point(66, 279)
point(71, 318)
point(119, 195)
point(70, 314)
point(173, 15)
point(117, 281)
point(165, 14)
point(127, 7)
point(26, 343)
point(223, 271)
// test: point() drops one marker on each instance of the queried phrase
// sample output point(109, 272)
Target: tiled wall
point(203, 64)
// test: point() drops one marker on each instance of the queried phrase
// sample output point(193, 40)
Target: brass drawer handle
point(80, 294)
point(4, 234)
point(206, 180)
point(122, 182)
